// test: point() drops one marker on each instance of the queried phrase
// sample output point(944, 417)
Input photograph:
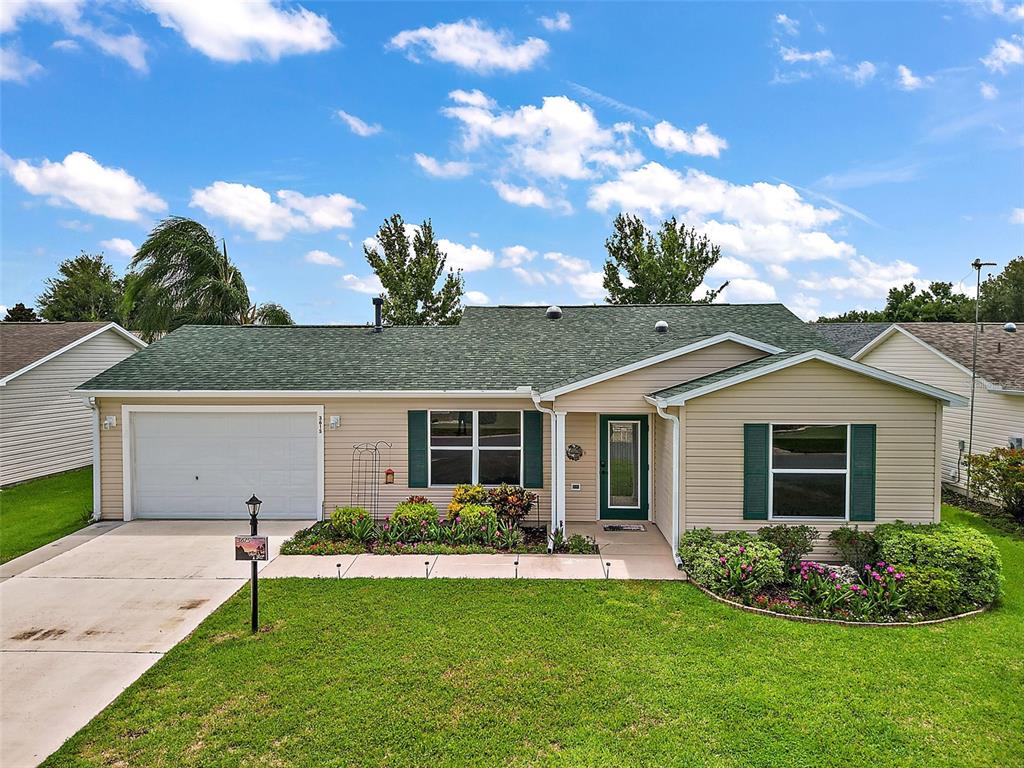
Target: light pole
point(254, 509)
point(977, 264)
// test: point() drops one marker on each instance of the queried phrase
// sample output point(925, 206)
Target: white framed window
point(484, 447)
point(809, 471)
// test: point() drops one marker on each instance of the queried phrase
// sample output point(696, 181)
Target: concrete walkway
point(81, 619)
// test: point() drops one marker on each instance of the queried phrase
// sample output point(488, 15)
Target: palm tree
point(179, 277)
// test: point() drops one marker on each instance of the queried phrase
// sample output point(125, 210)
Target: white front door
point(205, 464)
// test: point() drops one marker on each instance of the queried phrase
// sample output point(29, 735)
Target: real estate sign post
point(252, 548)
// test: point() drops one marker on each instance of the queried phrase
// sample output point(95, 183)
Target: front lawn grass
point(605, 673)
point(40, 511)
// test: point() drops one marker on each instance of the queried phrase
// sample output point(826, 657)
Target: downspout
point(535, 396)
point(676, 445)
point(96, 498)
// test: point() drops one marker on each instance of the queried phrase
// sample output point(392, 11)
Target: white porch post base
point(558, 492)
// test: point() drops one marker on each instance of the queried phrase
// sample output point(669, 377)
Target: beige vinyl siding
point(362, 420)
point(661, 495)
point(43, 427)
point(996, 416)
point(625, 394)
point(906, 485)
point(582, 505)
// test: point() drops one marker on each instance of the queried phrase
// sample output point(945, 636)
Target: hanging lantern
point(389, 476)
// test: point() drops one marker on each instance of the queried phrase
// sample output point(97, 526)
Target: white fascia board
point(109, 327)
point(896, 329)
point(274, 393)
point(664, 356)
point(1003, 391)
point(949, 398)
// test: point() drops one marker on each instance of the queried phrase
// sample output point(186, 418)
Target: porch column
point(558, 472)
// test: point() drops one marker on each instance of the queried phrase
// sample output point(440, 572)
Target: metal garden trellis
point(366, 476)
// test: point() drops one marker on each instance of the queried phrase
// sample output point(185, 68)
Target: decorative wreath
point(574, 452)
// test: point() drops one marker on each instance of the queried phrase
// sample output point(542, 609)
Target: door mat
point(624, 527)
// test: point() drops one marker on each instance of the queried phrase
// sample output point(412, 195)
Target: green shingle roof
point(849, 338)
point(492, 348)
point(723, 375)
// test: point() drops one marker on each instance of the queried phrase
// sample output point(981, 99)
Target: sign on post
point(250, 548)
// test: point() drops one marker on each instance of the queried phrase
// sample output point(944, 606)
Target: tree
point(19, 313)
point(409, 272)
point(85, 289)
point(938, 304)
point(179, 276)
point(1002, 296)
point(663, 269)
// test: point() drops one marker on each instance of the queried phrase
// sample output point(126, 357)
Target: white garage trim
point(126, 438)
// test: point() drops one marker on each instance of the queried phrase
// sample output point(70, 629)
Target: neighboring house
point(43, 427)
point(941, 354)
point(683, 415)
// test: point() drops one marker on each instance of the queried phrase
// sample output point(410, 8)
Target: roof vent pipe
point(554, 312)
point(378, 306)
point(661, 326)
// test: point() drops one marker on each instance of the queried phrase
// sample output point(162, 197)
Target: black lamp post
point(254, 509)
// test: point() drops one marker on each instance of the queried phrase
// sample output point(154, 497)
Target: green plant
point(881, 595)
point(856, 548)
point(693, 544)
point(557, 540)
point(999, 474)
point(466, 494)
point(508, 536)
point(740, 569)
point(578, 544)
point(794, 541)
point(511, 502)
point(932, 591)
point(966, 552)
point(344, 519)
point(417, 499)
point(823, 587)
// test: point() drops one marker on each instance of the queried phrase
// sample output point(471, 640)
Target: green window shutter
point(862, 472)
point(417, 449)
point(755, 472)
point(533, 449)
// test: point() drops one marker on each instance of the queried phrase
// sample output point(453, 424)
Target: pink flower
point(742, 549)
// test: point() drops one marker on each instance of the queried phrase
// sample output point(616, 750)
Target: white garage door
point(206, 464)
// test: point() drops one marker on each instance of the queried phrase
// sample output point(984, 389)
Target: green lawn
point(40, 511)
point(446, 673)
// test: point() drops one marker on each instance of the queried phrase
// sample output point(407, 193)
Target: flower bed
point(477, 521)
point(897, 575)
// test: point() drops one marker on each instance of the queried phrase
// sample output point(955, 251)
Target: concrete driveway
point(78, 628)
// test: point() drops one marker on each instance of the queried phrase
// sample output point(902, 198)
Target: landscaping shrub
point(726, 567)
point(511, 502)
point(416, 499)
point(856, 548)
point(412, 521)
point(466, 494)
point(794, 541)
point(824, 587)
point(473, 523)
point(966, 552)
point(693, 544)
point(881, 595)
point(508, 536)
point(999, 474)
point(578, 544)
point(343, 519)
point(932, 591)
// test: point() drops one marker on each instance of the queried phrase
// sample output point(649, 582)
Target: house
point(941, 354)
point(43, 427)
point(682, 415)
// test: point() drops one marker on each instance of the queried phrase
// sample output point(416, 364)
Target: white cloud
point(449, 169)
point(474, 98)
point(1017, 216)
point(988, 91)
point(16, 67)
point(75, 225)
point(357, 126)
point(82, 182)
point(576, 273)
point(66, 45)
point(323, 258)
point(788, 25)
point(253, 209)
point(244, 30)
point(468, 258)
point(1004, 55)
point(864, 279)
point(909, 81)
point(478, 298)
point(730, 268)
point(778, 271)
point(529, 277)
point(516, 255)
point(370, 284)
point(861, 74)
point(120, 246)
point(701, 142)
point(1011, 12)
point(794, 56)
point(559, 139)
point(742, 290)
point(470, 44)
point(615, 104)
point(526, 197)
point(805, 307)
point(560, 22)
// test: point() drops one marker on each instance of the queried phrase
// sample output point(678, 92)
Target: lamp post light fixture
point(254, 510)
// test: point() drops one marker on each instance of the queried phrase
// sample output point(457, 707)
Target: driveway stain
point(39, 634)
point(188, 605)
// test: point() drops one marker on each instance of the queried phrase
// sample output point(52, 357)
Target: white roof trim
point(661, 358)
point(894, 329)
point(108, 327)
point(523, 392)
point(1002, 390)
point(949, 398)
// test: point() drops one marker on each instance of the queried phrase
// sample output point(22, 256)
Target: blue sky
point(833, 150)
